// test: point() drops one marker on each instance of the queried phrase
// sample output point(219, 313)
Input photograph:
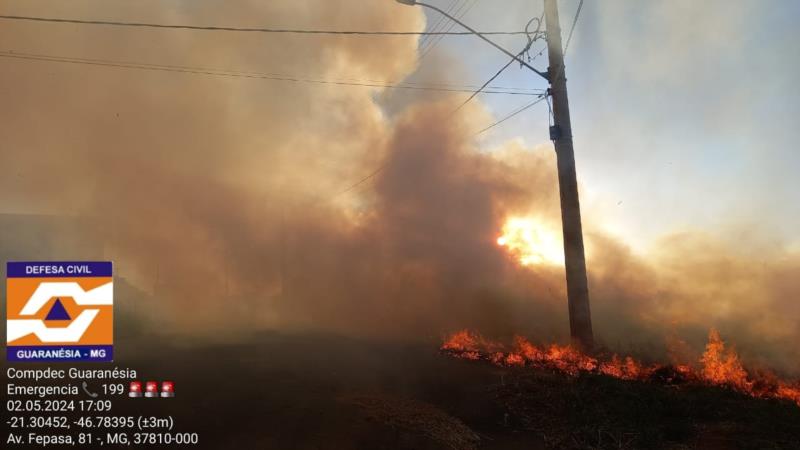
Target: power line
point(481, 89)
point(474, 86)
point(525, 107)
point(358, 183)
point(426, 40)
point(383, 166)
point(569, 38)
point(517, 111)
point(183, 69)
point(486, 84)
point(572, 28)
point(254, 75)
point(541, 97)
point(253, 30)
point(458, 14)
point(532, 37)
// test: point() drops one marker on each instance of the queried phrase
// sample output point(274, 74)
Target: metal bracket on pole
point(555, 132)
point(549, 74)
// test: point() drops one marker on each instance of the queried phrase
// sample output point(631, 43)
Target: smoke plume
point(244, 204)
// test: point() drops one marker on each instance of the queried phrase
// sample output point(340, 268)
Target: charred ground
point(278, 391)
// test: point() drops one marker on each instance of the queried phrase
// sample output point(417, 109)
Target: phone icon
point(86, 389)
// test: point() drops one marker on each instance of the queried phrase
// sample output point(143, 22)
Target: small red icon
point(151, 389)
point(167, 389)
point(135, 389)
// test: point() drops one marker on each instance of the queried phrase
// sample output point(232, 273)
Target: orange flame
point(464, 344)
point(531, 242)
point(723, 367)
point(719, 366)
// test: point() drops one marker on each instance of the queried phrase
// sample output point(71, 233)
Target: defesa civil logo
point(59, 311)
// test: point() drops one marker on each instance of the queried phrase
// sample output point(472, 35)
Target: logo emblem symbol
point(59, 311)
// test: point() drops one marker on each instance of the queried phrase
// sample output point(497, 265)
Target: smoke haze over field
point(224, 196)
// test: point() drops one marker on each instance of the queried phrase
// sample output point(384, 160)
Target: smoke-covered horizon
point(232, 199)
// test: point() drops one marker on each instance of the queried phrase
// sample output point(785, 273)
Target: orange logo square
point(59, 311)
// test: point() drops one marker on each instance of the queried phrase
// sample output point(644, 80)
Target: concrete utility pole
point(580, 319)
point(284, 255)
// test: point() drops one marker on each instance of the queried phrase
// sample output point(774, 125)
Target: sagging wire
point(532, 37)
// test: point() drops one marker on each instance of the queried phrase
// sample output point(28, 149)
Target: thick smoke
point(225, 198)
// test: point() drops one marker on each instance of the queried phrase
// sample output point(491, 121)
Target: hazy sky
point(684, 112)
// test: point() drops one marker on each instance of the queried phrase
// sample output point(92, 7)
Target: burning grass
point(719, 366)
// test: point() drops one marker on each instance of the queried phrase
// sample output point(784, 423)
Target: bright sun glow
point(531, 242)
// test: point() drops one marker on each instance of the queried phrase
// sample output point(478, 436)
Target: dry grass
point(418, 418)
point(599, 412)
